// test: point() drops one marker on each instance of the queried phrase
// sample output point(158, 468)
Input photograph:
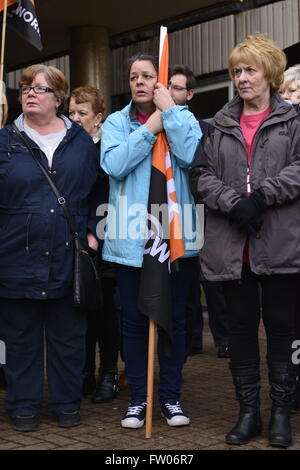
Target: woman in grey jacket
point(247, 172)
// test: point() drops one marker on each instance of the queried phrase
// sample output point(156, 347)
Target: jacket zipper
point(29, 216)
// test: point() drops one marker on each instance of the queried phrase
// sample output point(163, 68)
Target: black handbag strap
point(60, 199)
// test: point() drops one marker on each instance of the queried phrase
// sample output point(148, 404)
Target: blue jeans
point(26, 325)
point(135, 329)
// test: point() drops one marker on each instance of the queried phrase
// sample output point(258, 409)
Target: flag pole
point(150, 379)
point(3, 41)
point(163, 78)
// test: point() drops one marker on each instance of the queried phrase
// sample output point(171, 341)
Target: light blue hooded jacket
point(126, 155)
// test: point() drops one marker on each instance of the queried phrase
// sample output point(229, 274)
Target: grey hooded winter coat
point(218, 178)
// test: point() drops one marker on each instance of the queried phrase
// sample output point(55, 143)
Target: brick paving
point(208, 398)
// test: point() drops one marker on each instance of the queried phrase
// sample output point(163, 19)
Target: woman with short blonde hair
point(247, 173)
point(260, 50)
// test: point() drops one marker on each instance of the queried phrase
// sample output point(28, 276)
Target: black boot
point(282, 389)
point(247, 385)
point(107, 388)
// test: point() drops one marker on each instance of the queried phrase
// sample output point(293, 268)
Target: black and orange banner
point(22, 19)
point(163, 246)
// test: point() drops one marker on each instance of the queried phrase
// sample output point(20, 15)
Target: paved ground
point(207, 397)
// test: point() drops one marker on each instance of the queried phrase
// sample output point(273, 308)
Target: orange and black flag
point(165, 243)
point(21, 18)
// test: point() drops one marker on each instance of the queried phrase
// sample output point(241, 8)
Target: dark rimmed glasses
point(39, 89)
point(177, 87)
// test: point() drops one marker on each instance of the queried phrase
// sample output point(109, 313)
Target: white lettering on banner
point(35, 25)
point(157, 247)
point(161, 248)
point(27, 16)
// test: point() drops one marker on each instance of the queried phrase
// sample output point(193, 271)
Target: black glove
point(253, 226)
point(247, 212)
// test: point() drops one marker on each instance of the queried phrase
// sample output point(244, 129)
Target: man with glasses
point(181, 84)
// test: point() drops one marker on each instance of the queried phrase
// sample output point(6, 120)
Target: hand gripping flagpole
point(3, 41)
point(162, 78)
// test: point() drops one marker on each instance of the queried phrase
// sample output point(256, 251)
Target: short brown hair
point(89, 94)
point(179, 69)
point(258, 49)
point(54, 77)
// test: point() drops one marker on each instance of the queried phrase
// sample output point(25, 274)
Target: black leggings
point(272, 296)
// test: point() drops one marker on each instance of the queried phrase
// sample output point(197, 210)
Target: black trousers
point(28, 327)
point(271, 297)
point(103, 328)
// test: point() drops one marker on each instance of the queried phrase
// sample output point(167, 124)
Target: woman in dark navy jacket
point(36, 250)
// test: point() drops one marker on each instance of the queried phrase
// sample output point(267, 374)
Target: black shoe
point(223, 350)
point(135, 415)
point(171, 410)
point(106, 389)
point(25, 423)
point(68, 419)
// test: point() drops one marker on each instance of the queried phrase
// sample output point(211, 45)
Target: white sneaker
point(171, 410)
point(135, 415)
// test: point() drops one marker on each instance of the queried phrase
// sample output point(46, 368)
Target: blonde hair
point(259, 50)
point(292, 74)
point(54, 77)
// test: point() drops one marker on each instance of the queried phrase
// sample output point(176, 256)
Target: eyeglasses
point(39, 89)
point(176, 88)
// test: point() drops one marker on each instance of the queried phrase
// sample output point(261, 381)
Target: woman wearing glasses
point(36, 250)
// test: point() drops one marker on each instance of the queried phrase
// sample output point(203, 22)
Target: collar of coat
point(229, 115)
point(19, 122)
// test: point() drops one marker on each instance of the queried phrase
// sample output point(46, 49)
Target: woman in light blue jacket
point(128, 137)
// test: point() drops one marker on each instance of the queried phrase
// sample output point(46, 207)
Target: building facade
point(200, 39)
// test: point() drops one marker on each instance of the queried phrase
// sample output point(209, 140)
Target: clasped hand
point(247, 213)
point(162, 100)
